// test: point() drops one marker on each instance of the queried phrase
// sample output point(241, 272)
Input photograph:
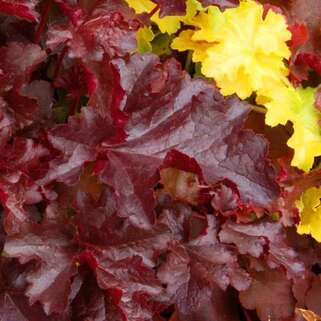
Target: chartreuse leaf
point(310, 211)
point(144, 36)
point(161, 44)
point(296, 105)
point(158, 43)
point(185, 42)
point(141, 6)
point(242, 50)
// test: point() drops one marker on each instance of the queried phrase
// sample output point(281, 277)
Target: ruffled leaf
point(245, 51)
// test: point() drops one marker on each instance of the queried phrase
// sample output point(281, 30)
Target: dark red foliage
point(14, 305)
point(175, 159)
point(133, 178)
point(171, 8)
point(270, 294)
point(202, 125)
point(131, 191)
point(91, 302)
point(300, 35)
point(18, 61)
point(23, 9)
point(78, 81)
point(72, 10)
point(198, 271)
point(220, 3)
point(264, 239)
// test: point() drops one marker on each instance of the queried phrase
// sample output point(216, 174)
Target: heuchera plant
point(160, 160)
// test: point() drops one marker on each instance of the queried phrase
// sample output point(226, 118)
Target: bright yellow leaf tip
point(141, 6)
point(169, 24)
point(286, 103)
point(310, 212)
point(245, 52)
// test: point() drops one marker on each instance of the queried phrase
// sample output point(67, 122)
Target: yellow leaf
point(144, 36)
point(185, 42)
point(285, 103)
point(141, 6)
point(209, 24)
point(244, 52)
point(310, 212)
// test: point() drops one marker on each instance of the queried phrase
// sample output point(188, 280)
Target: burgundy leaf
point(67, 169)
point(253, 239)
point(221, 3)
point(216, 259)
point(72, 10)
point(42, 92)
point(169, 110)
point(100, 228)
point(178, 217)
point(15, 307)
point(226, 197)
point(106, 34)
point(78, 80)
point(99, 8)
point(133, 178)
point(90, 303)
point(25, 109)
point(102, 35)
point(22, 158)
point(200, 269)
point(308, 250)
point(7, 124)
point(95, 218)
point(175, 159)
point(135, 285)
point(17, 62)
point(124, 267)
point(246, 245)
point(76, 141)
point(13, 304)
point(21, 106)
point(193, 294)
point(23, 9)
point(129, 242)
point(312, 299)
point(306, 287)
point(300, 35)
point(107, 95)
point(270, 294)
point(51, 249)
point(171, 8)
point(87, 129)
point(19, 170)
